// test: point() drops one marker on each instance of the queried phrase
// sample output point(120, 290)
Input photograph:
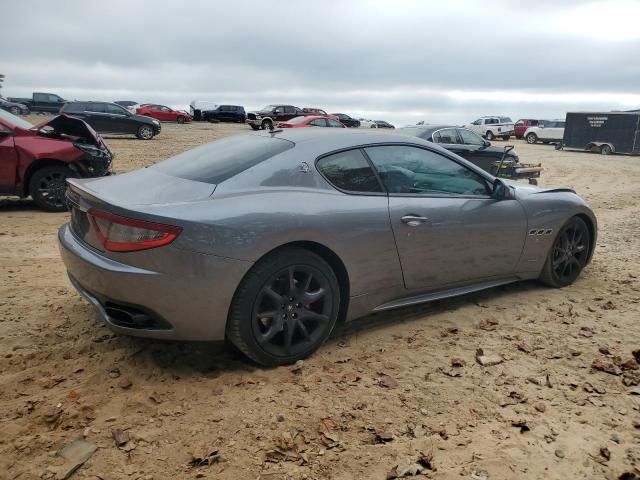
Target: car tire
point(558, 146)
point(531, 138)
point(15, 110)
point(180, 119)
point(489, 135)
point(254, 127)
point(48, 188)
point(145, 132)
point(568, 255)
point(606, 149)
point(506, 137)
point(285, 307)
point(266, 124)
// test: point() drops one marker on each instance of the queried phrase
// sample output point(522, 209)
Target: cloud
point(396, 60)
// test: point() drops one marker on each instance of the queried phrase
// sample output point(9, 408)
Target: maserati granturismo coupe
point(270, 239)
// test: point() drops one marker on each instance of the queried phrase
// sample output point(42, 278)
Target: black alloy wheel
point(14, 110)
point(285, 307)
point(48, 187)
point(569, 254)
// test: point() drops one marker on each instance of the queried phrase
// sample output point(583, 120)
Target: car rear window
point(74, 107)
point(218, 161)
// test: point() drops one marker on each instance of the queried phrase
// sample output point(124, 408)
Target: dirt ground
point(396, 389)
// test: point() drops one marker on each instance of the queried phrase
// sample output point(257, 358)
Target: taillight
point(123, 234)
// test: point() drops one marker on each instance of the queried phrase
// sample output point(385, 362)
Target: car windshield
point(218, 161)
point(16, 121)
point(297, 120)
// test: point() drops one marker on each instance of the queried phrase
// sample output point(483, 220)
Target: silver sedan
point(271, 239)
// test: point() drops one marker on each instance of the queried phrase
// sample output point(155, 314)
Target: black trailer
point(603, 132)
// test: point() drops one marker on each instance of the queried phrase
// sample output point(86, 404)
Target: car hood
point(68, 125)
point(144, 119)
point(523, 190)
point(143, 187)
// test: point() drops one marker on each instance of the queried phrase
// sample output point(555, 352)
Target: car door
point(94, 115)
point(119, 119)
point(448, 228)
point(8, 161)
point(554, 131)
point(476, 150)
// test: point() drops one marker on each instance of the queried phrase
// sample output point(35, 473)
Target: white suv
point(546, 131)
point(492, 127)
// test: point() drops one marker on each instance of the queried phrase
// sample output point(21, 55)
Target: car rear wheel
point(489, 135)
point(254, 127)
point(532, 138)
point(506, 137)
point(606, 149)
point(14, 110)
point(145, 132)
point(284, 308)
point(266, 124)
point(48, 187)
point(568, 255)
point(180, 119)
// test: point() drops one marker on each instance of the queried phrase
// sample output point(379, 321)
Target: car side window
point(417, 171)
point(477, 122)
point(470, 138)
point(533, 123)
point(115, 109)
point(449, 136)
point(519, 122)
point(334, 123)
point(96, 107)
point(349, 171)
point(318, 122)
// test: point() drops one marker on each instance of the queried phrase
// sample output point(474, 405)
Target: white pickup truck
point(492, 127)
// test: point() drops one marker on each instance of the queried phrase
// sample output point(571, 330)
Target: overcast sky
point(401, 61)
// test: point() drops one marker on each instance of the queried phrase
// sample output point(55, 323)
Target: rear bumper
point(189, 304)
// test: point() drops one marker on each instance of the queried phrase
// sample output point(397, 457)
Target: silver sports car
point(270, 239)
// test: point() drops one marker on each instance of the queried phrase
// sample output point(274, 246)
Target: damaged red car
point(36, 160)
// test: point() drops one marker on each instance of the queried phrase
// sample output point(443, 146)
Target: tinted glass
point(221, 160)
point(74, 107)
point(505, 120)
point(297, 120)
point(349, 171)
point(520, 122)
point(334, 123)
point(448, 136)
point(412, 170)
point(318, 122)
point(96, 107)
point(470, 138)
point(115, 109)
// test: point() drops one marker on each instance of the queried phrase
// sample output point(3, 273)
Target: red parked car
point(36, 160)
point(311, 121)
point(162, 113)
point(318, 111)
point(521, 126)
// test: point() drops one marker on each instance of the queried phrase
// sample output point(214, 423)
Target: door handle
point(413, 220)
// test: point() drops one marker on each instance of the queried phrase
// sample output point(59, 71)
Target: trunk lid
point(127, 194)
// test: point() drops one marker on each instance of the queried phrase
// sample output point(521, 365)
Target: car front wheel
point(284, 308)
point(145, 132)
point(489, 135)
point(180, 119)
point(568, 255)
point(14, 110)
point(48, 187)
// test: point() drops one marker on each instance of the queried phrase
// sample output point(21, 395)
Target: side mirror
point(502, 191)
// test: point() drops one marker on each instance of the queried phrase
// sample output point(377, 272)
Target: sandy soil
point(380, 394)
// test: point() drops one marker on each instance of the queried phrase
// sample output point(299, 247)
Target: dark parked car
point(36, 160)
point(13, 107)
point(225, 113)
point(41, 102)
point(464, 142)
point(347, 121)
point(382, 124)
point(272, 114)
point(107, 117)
